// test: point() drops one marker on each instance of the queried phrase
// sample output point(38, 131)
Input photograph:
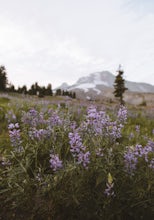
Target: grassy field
point(68, 159)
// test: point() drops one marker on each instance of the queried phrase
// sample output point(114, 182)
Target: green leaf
point(110, 179)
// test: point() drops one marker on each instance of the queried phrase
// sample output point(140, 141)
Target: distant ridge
point(100, 81)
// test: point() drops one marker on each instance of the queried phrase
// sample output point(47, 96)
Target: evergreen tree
point(49, 90)
point(58, 92)
point(119, 85)
point(24, 89)
point(11, 88)
point(3, 78)
point(74, 95)
point(32, 90)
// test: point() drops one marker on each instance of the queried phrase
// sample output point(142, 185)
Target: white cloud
point(57, 41)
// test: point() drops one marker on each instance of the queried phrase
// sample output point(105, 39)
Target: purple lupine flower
point(10, 116)
point(30, 118)
point(16, 125)
point(38, 177)
point(151, 165)
point(55, 162)
point(73, 125)
point(114, 130)
point(151, 145)
point(33, 112)
point(97, 120)
point(109, 190)
point(138, 150)
point(92, 112)
point(122, 114)
point(39, 133)
point(99, 152)
point(54, 119)
point(98, 123)
point(84, 158)
point(11, 126)
point(133, 153)
point(148, 148)
point(131, 136)
point(130, 161)
point(78, 150)
point(137, 128)
point(14, 133)
point(33, 118)
point(5, 162)
point(76, 143)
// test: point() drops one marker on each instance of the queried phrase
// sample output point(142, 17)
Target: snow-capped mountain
point(64, 86)
point(101, 81)
point(95, 81)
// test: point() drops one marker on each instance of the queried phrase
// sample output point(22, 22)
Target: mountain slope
point(102, 81)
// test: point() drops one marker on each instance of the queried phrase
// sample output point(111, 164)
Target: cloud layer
point(55, 41)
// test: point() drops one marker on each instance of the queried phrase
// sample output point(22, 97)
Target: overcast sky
point(56, 41)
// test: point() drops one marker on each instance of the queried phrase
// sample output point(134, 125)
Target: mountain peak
point(100, 81)
point(63, 86)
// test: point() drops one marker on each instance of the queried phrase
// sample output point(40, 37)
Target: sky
point(56, 41)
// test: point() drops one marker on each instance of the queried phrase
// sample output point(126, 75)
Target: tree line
point(35, 89)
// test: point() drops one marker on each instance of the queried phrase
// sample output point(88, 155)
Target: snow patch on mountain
point(97, 90)
point(86, 87)
point(98, 80)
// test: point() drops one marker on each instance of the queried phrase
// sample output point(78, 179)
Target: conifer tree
point(119, 85)
point(3, 78)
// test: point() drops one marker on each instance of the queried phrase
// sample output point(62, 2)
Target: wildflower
point(84, 158)
point(39, 133)
point(137, 128)
point(150, 144)
point(92, 112)
point(54, 119)
point(131, 136)
point(38, 177)
point(99, 152)
point(33, 112)
point(55, 162)
point(33, 118)
point(14, 133)
point(11, 126)
point(148, 148)
point(5, 162)
point(151, 165)
point(122, 114)
point(73, 125)
point(109, 192)
point(114, 130)
point(130, 161)
point(78, 150)
point(10, 116)
point(76, 143)
point(96, 120)
point(133, 153)
point(98, 123)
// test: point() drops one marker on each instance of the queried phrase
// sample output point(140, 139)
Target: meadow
point(75, 160)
